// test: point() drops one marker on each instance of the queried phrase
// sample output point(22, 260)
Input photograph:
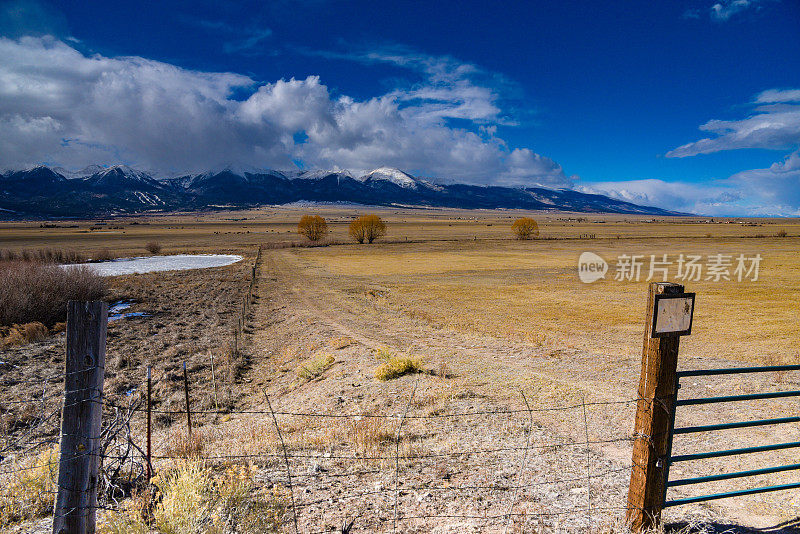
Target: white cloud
point(678, 196)
point(772, 96)
point(774, 191)
point(725, 9)
point(62, 107)
point(775, 125)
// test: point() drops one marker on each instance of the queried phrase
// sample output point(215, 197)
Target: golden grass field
point(486, 316)
point(462, 268)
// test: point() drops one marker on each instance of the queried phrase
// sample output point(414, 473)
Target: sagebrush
point(35, 292)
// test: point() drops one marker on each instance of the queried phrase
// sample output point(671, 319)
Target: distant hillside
point(118, 190)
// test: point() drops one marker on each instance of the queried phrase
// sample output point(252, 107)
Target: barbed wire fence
point(343, 470)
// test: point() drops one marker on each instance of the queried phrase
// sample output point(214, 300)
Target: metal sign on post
point(672, 314)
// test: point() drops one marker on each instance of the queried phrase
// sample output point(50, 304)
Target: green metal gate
point(725, 426)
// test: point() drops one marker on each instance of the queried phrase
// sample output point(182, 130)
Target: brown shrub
point(367, 228)
point(313, 227)
point(41, 255)
point(153, 247)
point(103, 254)
point(34, 292)
point(781, 233)
point(525, 228)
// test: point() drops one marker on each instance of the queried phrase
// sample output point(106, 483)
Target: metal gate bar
point(743, 424)
point(738, 370)
point(734, 452)
point(701, 498)
point(732, 398)
point(736, 474)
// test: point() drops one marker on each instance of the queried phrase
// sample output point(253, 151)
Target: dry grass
point(183, 445)
point(531, 292)
point(315, 368)
point(341, 342)
point(35, 292)
point(397, 366)
point(28, 493)
point(483, 286)
point(17, 335)
point(192, 498)
point(368, 435)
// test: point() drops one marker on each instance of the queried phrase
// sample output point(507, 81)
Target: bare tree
point(313, 227)
point(367, 228)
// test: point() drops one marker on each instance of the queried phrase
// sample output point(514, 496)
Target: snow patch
point(149, 264)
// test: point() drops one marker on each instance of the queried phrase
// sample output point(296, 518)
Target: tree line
point(371, 227)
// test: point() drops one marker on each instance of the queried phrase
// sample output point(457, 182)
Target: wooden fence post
point(76, 502)
point(654, 411)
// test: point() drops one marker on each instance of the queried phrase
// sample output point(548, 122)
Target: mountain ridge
point(53, 192)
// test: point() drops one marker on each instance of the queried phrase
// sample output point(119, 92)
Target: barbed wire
point(500, 411)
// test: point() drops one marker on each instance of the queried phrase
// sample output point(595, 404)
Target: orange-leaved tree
point(525, 228)
point(313, 227)
point(367, 228)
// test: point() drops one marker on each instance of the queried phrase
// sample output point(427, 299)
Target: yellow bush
point(313, 227)
point(367, 228)
point(29, 493)
point(525, 228)
point(397, 366)
point(316, 367)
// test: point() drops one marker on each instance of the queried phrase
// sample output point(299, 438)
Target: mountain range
point(54, 192)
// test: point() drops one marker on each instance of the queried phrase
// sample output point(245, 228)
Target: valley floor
point(520, 419)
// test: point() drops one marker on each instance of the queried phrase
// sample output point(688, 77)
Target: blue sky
point(691, 105)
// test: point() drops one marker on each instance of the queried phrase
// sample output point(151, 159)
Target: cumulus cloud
point(775, 125)
point(60, 106)
point(770, 192)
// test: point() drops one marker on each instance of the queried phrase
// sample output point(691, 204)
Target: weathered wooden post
point(669, 315)
point(76, 502)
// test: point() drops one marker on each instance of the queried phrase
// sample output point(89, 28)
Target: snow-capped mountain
point(395, 176)
point(82, 173)
point(101, 191)
point(319, 174)
point(121, 177)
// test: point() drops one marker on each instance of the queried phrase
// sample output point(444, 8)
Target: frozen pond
point(149, 264)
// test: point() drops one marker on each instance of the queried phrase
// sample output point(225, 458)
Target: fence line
point(110, 455)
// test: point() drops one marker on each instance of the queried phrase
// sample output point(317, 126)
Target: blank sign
point(673, 314)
